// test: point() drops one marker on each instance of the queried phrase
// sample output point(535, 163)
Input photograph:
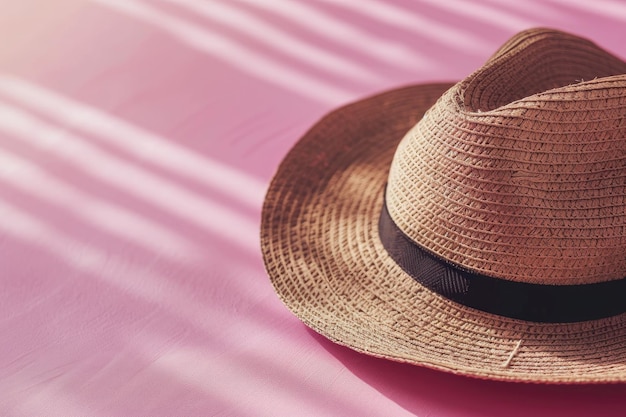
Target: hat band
point(518, 300)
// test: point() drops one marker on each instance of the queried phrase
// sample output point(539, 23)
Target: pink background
point(137, 138)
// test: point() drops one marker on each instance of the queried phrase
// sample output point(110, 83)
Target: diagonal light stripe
point(398, 17)
point(509, 22)
point(138, 142)
point(131, 276)
point(341, 32)
point(611, 9)
point(533, 7)
point(278, 39)
point(160, 192)
point(244, 59)
point(26, 176)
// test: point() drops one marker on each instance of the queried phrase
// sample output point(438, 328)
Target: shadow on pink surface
point(424, 391)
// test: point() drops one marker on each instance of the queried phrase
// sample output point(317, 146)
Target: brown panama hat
point(489, 240)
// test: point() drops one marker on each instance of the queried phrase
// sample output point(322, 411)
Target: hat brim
point(325, 260)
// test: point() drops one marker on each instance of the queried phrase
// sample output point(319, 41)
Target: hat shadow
point(424, 391)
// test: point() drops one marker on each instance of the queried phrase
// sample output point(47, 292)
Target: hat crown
point(519, 171)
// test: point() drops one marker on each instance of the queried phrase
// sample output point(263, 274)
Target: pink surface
point(137, 139)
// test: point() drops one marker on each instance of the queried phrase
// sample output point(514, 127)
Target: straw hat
point(489, 240)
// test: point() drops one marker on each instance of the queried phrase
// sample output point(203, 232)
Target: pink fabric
point(137, 138)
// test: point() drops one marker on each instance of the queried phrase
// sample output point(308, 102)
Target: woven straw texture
point(319, 224)
point(521, 168)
